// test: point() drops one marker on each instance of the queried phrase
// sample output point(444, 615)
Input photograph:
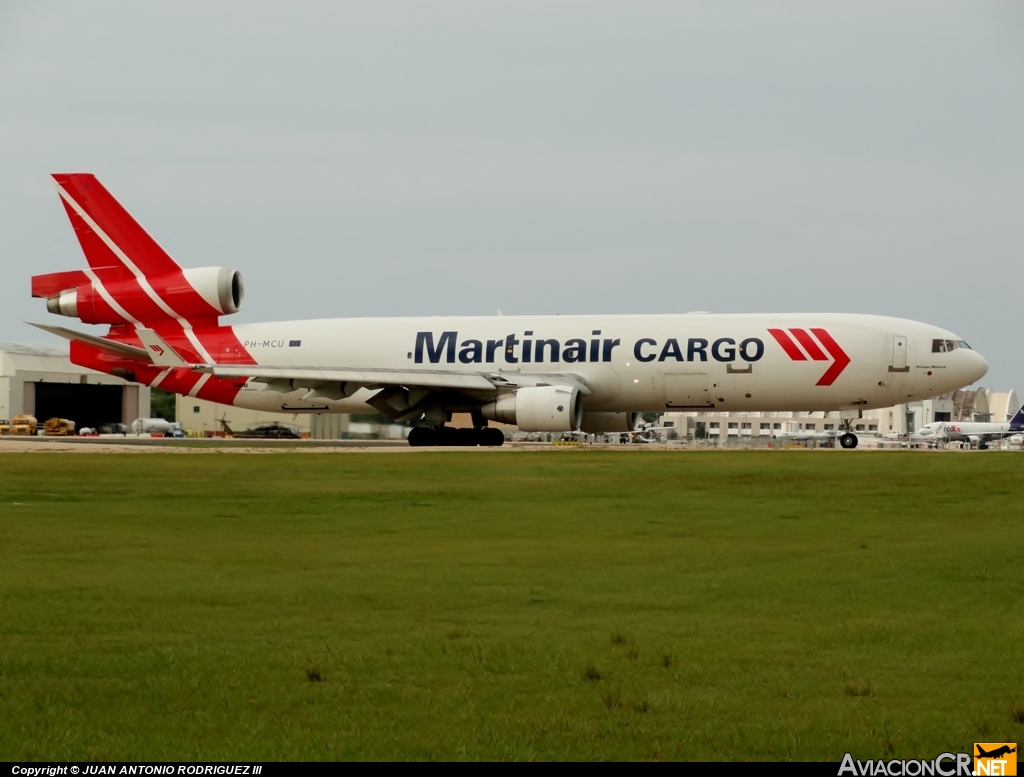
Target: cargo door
point(898, 361)
point(687, 389)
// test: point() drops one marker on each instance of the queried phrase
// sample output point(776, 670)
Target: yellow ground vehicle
point(24, 424)
point(58, 427)
point(5, 426)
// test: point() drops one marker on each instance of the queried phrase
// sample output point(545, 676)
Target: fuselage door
point(898, 362)
point(687, 389)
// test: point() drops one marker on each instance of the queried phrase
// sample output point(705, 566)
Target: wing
point(401, 394)
point(365, 378)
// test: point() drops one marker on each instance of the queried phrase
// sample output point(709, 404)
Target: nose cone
point(975, 366)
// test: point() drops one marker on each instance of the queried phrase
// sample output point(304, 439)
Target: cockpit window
point(944, 346)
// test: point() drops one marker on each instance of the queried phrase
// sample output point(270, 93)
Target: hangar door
point(85, 404)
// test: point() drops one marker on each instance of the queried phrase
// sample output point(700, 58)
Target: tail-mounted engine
point(111, 297)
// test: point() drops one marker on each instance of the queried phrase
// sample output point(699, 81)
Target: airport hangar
point(41, 381)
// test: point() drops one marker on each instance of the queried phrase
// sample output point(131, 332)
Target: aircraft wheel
point(447, 436)
point(982, 446)
point(458, 438)
point(425, 436)
point(848, 441)
point(421, 437)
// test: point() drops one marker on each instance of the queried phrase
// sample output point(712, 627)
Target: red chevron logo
point(818, 345)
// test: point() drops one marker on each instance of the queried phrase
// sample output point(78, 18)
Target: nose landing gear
point(848, 439)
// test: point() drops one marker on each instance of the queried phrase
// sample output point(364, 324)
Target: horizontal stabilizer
point(52, 284)
point(111, 346)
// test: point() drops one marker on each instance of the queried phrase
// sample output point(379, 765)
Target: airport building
point(735, 425)
point(207, 418)
point(203, 418)
point(964, 405)
point(41, 381)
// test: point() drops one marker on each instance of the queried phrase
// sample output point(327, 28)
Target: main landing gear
point(426, 436)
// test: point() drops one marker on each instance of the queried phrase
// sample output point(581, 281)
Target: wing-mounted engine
point(112, 296)
point(538, 409)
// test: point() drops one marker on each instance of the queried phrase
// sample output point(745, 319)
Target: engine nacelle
point(538, 409)
point(198, 293)
point(222, 287)
point(595, 423)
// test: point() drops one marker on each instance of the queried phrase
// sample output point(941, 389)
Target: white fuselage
point(632, 362)
point(964, 430)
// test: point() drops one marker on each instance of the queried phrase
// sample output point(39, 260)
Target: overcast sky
point(356, 159)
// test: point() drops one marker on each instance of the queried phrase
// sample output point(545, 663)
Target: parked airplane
point(975, 432)
point(646, 433)
point(807, 436)
point(542, 373)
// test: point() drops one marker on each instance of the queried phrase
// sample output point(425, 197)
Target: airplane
point(975, 432)
point(999, 751)
point(644, 433)
point(634, 429)
point(594, 373)
point(807, 436)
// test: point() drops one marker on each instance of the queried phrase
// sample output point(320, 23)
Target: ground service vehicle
point(155, 426)
point(58, 427)
point(24, 424)
point(541, 373)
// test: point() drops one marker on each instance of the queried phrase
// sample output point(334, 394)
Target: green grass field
point(562, 604)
